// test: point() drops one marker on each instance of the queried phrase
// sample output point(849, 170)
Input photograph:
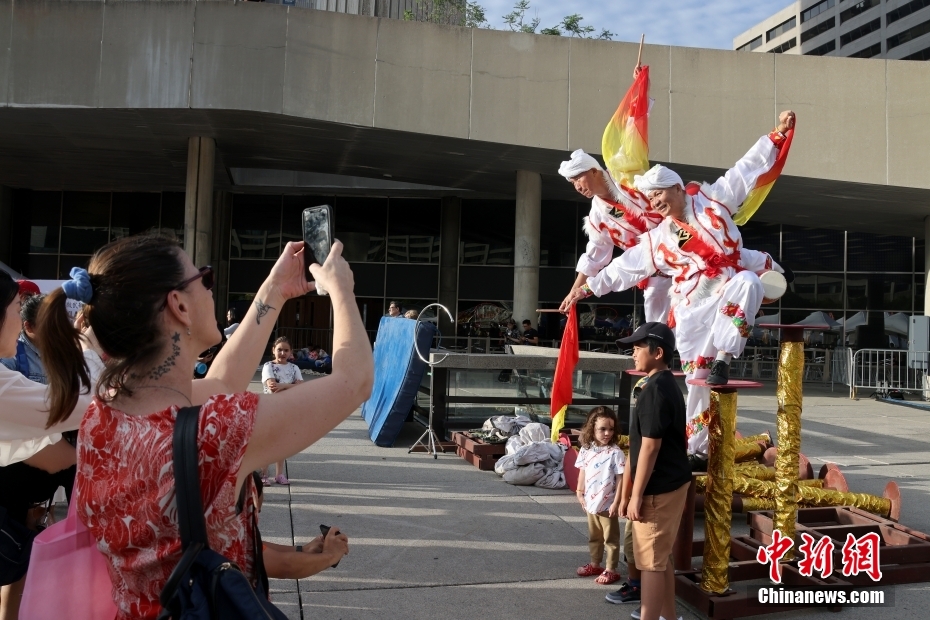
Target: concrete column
point(190, 195)
point(449, 261)
point(198, 204)
point(526, 247)
point(927, 266)
point(6, 224)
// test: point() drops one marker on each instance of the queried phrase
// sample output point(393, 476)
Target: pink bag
point(67, 575)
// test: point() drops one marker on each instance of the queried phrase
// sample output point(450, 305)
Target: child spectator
point(659, 468)
point(279, 375)
point(600, 470)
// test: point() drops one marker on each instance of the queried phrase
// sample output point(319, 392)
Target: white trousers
point(721, 322)
point(657, 300)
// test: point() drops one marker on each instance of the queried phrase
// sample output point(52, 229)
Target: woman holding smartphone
point(152, 312)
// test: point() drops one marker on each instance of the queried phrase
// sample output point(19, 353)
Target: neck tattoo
point(162, 369)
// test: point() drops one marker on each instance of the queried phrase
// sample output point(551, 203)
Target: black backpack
point(205, 585)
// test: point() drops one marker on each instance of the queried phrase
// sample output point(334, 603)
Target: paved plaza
point(440, 539)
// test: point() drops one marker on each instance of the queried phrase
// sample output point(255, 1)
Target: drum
point(774, 286)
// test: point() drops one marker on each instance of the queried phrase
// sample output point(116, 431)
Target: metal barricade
point(883, 370)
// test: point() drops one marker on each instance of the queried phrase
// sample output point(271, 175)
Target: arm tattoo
point(263, 309)
point(162, 369)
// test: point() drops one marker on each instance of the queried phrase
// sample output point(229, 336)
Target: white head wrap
point(580, 162)
point(657, 177)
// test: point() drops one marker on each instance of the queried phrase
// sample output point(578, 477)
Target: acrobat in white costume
point(618, 221)
point(716, 291)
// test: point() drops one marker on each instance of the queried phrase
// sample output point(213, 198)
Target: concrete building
point(437, 147)
point(898, 29)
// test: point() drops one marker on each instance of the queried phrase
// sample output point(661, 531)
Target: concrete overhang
point(103, 96)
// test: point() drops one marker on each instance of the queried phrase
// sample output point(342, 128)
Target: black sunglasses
point(204, 274)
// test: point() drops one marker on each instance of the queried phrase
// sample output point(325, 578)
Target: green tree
point(516, 20)
point(475, 16)
point(572, 24)
point(551, 31)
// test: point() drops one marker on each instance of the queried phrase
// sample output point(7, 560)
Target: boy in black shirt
point(659, 468)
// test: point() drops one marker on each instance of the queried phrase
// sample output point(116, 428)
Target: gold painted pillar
point(719, 493)
point(788, 422)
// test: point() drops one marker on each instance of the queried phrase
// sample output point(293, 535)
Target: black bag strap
point(191, 523)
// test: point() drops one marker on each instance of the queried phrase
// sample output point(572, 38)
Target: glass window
point(292, 218)
point(41, 267)
point(246, 276)
point(919, 266)
point(780, 29)
point(67, 262)
point(868, 52)
point(361, 225)
point(487, 233)
point(858, 9)
point(857, 33)
point(556, 238)
point(85, 222)
point(134, 214)
point(172, 215)
point(748, 47)
point(923, 54)
point(482, 283)
point(45, 220)
point(814, 291)
point(826, 48)
point(897, 292)
point(812, 249)
point(784, 47)
point(414, 281)
point(905, 10)
point(911, 33)
point(813, 31)
point(256, 227)
point(413, 231)
point(870, 252)
point(762, 237)
point(817, 9)
point(554, 283)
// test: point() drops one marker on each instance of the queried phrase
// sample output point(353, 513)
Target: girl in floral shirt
point(600, 473)
point(279, 375)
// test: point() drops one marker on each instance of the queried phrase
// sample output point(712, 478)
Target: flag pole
point(639, 58)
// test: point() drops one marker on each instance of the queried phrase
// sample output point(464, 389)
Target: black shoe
point(697, 463)
point(719, 373)
point(626, 594)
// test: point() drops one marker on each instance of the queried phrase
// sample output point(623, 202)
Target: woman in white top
point(279, 375)
point(23, 416)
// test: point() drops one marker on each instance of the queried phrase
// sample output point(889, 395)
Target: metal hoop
point(417, 347)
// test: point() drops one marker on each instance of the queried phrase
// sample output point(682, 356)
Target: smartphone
point(324, 530)
point(317, 226)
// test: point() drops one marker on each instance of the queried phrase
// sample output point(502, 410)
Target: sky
point(690, 23)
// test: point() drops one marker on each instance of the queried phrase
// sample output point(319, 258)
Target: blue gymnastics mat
point(398, 373)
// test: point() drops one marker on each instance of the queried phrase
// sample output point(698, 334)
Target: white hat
point(657, 177)
point(579, 163)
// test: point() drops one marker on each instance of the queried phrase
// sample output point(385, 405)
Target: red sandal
point(607, 577)
point(589, 570)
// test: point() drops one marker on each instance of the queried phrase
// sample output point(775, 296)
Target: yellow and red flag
point(764, 183)
point(625, 144)
point(564, 372)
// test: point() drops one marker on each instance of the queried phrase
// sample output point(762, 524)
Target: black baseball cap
point(654, 330)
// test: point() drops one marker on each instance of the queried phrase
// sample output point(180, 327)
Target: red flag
point(564, 371)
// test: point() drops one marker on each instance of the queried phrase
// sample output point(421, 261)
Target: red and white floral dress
point(125, 485)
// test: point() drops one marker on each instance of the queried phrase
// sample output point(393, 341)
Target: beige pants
point(604, 531)
point(654, 536)
point(628, 544)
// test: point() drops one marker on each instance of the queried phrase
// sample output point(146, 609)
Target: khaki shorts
point(654, 536)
